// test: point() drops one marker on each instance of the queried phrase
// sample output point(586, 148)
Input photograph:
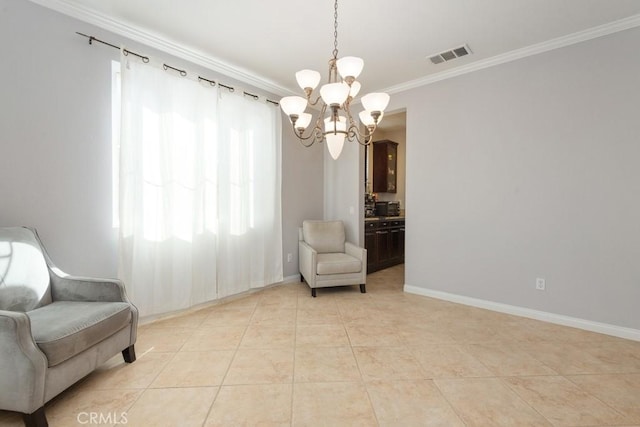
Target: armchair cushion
point(18, 298)
point(61, 336)
point(24, 276)
point(324, 236)
point(338, 263)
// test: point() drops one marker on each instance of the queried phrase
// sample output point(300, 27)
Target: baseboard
point(559, 319)
point(229, 298)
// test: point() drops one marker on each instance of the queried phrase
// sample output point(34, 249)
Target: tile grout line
point(506, 384)
point(361, 381)
point(624, 416)
point(295, 342)
point(235, 352)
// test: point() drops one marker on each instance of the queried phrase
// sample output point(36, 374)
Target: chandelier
point(336, 97)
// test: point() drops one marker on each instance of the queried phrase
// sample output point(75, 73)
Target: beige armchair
point(54, 328)
point(326, 259)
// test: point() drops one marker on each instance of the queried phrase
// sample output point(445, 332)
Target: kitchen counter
point(384, 218)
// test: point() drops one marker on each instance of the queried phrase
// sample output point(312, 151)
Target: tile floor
point(280, 357)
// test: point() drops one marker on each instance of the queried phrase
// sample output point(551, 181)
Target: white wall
point(530, 169)
point(55, 140)
point(344, 189)
point(302, 191)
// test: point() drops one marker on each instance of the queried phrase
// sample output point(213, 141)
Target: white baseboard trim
point(559, 319)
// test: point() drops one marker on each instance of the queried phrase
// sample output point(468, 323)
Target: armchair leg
point(301, 278)
point(313, 292)
point(363, 288)
point(36, 419)
point(129, 354)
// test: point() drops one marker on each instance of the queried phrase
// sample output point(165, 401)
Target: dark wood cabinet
point(371, 245)
point(384, 241)
point(395, 244)
point(401, 256)
point(384, 245)
point(385, 166)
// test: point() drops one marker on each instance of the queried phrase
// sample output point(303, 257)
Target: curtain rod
point(183, 73)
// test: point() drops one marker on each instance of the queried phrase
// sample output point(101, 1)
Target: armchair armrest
point(71, 288)
point(307, 261)
point(355, 251)
point(22, 364)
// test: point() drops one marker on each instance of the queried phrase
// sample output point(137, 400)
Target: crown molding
point(215, 64)
point(84, 14)
point(557, 43)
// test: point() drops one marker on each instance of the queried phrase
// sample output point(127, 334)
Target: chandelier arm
point(355, 134)
point(313, 133)
point(314, 102)
point(350, 118)
point(318, 134)
point(302, 141)
point(301, 137)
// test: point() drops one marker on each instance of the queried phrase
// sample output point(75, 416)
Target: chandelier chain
point(335, 31)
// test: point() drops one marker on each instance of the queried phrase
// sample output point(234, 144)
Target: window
point(197, 185)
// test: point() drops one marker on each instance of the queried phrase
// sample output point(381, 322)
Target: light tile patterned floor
point(280, 357)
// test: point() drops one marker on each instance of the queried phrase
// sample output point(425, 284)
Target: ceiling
point(266, 42)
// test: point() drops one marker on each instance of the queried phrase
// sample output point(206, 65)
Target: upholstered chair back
point(324, 236)
point(25, 283)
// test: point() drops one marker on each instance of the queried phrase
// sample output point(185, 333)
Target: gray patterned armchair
point(54, 329)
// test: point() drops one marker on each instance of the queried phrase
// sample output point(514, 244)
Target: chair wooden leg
point(313, 292)
point(129, 354)
point(36, 419)
point(301, 278)
point(363, 288)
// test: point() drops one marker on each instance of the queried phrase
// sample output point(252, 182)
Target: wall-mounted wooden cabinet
point(385, 166)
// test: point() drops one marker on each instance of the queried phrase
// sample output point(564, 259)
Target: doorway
point(385, 213)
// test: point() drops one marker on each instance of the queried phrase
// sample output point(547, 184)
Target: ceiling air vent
point(450, 54)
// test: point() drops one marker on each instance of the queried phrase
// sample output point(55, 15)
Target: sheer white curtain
point(249, 209)
point(199, 191)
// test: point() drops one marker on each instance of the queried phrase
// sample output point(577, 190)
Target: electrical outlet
point(541, 284)
point(289, 257)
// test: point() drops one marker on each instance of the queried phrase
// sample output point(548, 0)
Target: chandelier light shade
point(350, 67)
point(375, 102)
point(355, 88)
point(293, 105)
point(366, 118)
point(308, 79)
point(335, 99)
point(335, 135)
point(303, 121)
point(334, 93)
